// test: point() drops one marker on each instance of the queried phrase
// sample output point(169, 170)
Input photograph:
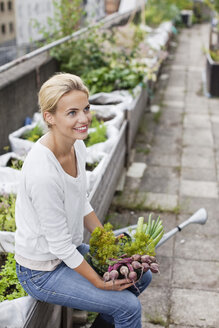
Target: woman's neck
point(59, 146)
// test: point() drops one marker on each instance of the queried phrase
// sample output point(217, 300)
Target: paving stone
point(174, 103)
point(155, 304)
point(189, 205)
point(163, 159)
point(192, 274)
point(196, 246)
point(198, 157)
point(208, 230)
point(158, 200)
point(169, 130)
point(196, 109)
point(194, 307)
point(215, 118)
point(207, 189)
point(136, 170)
point(165, 266)
point(132, 184)
point(160, 145)
point(160, 179)
point(193, 120)
point(198, 137)
point(198, 173)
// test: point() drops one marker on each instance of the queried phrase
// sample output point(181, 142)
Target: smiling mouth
point(82, 128)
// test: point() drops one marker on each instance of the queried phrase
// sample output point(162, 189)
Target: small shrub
point(7, 213)
point(10, 288)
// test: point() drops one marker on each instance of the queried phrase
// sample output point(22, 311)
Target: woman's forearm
point(91, 221)
point(88, 272)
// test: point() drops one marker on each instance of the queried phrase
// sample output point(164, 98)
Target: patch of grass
point(157, 116)
point(178, 169)
point(157, 319)
point(136, 203)
point(144, 151)
point(200, 91)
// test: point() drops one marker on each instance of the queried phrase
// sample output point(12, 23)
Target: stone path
point(174, 173)
point(178, 151)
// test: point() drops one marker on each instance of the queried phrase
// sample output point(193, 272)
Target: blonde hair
point(55, 87)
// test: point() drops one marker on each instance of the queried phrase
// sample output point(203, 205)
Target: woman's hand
point(116, 285)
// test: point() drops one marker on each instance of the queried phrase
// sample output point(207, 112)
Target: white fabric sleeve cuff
point(74, 260)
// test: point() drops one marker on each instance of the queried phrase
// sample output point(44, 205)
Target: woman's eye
point(87, 109)
point(72, 113)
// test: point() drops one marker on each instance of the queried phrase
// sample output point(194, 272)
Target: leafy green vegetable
point(10, 287)
point(142, 244)
point(7, 213)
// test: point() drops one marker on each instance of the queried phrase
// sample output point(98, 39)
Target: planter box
point(105, 186)
point(212, 76)
point(135, 113)
point(48, 315)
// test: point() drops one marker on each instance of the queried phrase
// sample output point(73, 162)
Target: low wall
point(18, 93)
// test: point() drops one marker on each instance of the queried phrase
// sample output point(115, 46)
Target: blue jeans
point(66, 287)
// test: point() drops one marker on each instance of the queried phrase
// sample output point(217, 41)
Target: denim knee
point(130, 314)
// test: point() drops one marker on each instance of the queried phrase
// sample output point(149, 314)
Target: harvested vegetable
point(126, 256)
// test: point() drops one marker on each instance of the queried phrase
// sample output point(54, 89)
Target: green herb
point(99, 135)
point(7, 213)
point(10, 287)
point(33, 134)
point(103, 244)
point(15, 163)
point(215, 55)
point(91, 166)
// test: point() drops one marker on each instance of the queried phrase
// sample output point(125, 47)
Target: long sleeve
point(48, 202)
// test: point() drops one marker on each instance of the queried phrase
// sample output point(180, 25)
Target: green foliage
point(7, 213)
point(15, 163)
point(103, 244)
point(213, 5)
point(99, 135)
point(67, 18)
point(34, 134)
point(157, 11)
point(10, 287)
point(215, 55)
point(91, 167)
point(142, 244)
point(115, 76)
point(95, 122)
point(84, 54)
point(105, 247)
point(96, 57)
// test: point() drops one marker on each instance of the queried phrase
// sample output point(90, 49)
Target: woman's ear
point(49, 118)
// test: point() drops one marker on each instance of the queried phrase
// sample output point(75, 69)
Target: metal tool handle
point(199, 217)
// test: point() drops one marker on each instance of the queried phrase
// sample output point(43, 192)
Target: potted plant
point(212, 61)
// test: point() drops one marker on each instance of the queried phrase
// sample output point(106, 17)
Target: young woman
point(52, 211)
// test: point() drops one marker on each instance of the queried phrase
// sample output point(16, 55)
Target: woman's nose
point(82, 117)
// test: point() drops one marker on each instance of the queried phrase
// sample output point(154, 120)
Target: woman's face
point(72, 117)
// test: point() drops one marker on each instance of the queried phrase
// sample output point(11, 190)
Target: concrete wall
point(27, 12)
point(18, 93)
